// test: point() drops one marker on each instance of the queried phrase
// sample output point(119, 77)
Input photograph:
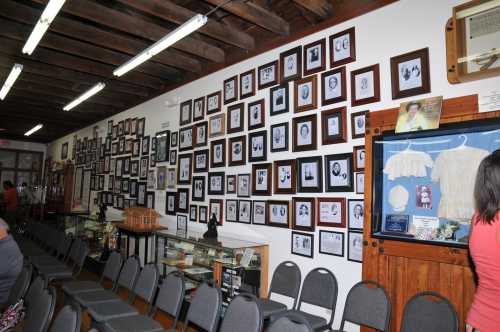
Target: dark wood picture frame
point(184, 191)
point(423, 71)
point(276, 74)
point(231, 190)
point(312, 213)
point(249, 184)
point(213, 144)
point(292, 163)
point(211, 175)
point(376, 85)
point(221, 118)
point(250, 72)
point(353, 124)
point(220, 202)
point(195, 156)
point(188, 156)
point(216, 95)
point(197, 127)
point(343, 88)
point(261, 109)
point(145, 145)
point(150, 194)
point(343, 216)
point(341, 114)
point(228, 204)
point(162, 138)
point(285, 125)
point(309, 235)
point(355, 150)
point(286, 99)
point(195, 180)
point(141, 127)
point(347, 175)
point(183, 130)
point(296, 122)
point(301, 187)
point(252, 147)
point(314, 93)
point(270, 203)
point(309, 71)
point(228, 100)
point(240, 107)
point(254, 204)
point(269, 183)
point(189, 105)
point(231, 141)
point(171, 195)
point(351, 32)
point(297, 51)
point(321, 251)
point(199, 101)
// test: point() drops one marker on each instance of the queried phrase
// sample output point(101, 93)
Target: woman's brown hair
point(487, 188)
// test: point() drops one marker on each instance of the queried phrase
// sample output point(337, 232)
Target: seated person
point(11, 262)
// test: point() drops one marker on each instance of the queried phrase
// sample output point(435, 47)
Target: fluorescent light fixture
point(34, 129)
point(9, 82)
point(84, 96)
point(193, 24)
point(48, 15)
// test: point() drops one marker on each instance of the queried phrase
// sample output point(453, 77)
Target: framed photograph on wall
point(64, 151)
point(185, 112)
point(171, 178)
point(279, 99)
point(199, 109)
point(334, 126)
point(182, 223)
point(214, 102)
point(161, 177)
point(310, 175)
point(218, 153)
point(278, 213)
point(235, 118)
point(268, 74)
point(184, 168)
point(331, 243)
point(185, 138)
point(202, 214)
point(141, 127)
point(306, 94)
point(143, 168)
point(247, 84)
point(314, 57)
point(126, 166)
point(216, 125)
point(355, 247)
point(304, 214)
point(162, 151)
point(360, 183)
point(262, 175)
point(171, 203)
point(339, 173)
point(121, 127)
point(133, 126)
point(127, 128)
point(279, 137)
point(358, 123)
point(243, 185)
point(183, 200)
point(410, 74)
point(304, 133)
point(198, 189)
point(331, 212)
point(259, 212)
point(150, 199)
point(134, 168)
point(256, 115)
point(285, 177)
point(291, 64)
point(356, 213)
point(257, 149)
point(333, 86)
point(245, 211)
point(174, 139)
point(342, 48)
point(145, 145)
point(231, 184)
point(216, 183)
point(237, 151)
point(365, 85)
point(110, 128)
point(141, 193)
point(200, 161)
point(173, 157)
point(359, 158)
point(231, 210)
point(230, 90)
point(303, 244)
point(201, 134)
point(216, 210)
point(193, 213)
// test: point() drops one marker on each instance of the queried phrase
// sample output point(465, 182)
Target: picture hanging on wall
point(358, 123)
point(185, 112)
point(268, 74)
point(126, 166)
point(126, 129)
point(331, 212)
point(231, 210)
point(173, 139)
point(185, 138)
point(202, 214)
point(339, 173)
point(231, 184)
point(359, 158)
point(291, 64)
point(216, 210)
point(216, 125)
point(216, 183)
point(150, 199)
point(134, 168)
point(184, 168)
point(360, 183)
point(200, 161)
point(245, 211)
point(343, 48)
point(64, 151)
point(331, 243)
point(279, 137)
point(365, 85)
point(182, 223)
point(247, 84)
point(193, 213)
point(230, 90)
point(141, 193)
point(306, 94)
point(410, 74)
point(214, 102)
point(183, 200)
point(114, 135)
point(199, 109)
point(237, 151)
point(256, 114)
point(303, 244)
point(145, 145)
point(257, 150)
point(198, 189)
point(141, 127)
point(170, 203)
point(355, 247)
point(133, 126)
point(119, 167)
point(110, 128)
point(143, 168)
point(218, 153)
point(279, 99)
point(151, 179)
point(262, 175)
point(334, 126)
point(259, 212)
point(304, 133)
point(285, 178)
point(310, 177)
point(121, 145)
point(136, 147)
point(278, 213)
point(201, 134)
point(304, 213)
point(243, 185)
point(171, 178)
point(128, 145)
point(173, 157)
point(161, 177)
point(121, 127)
point(333, 86)
point(314, 57)
point(356, 212)
point(235, 118)
point(162, 151)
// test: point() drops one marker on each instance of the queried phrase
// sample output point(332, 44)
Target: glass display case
point(235, 265)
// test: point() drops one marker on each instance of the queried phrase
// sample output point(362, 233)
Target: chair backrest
point(21, 285)
point(112, 268)
point(73, 252)
point(35, 289)
point(171, 295)
point(129, 273)
point(146, 284)
point(205, 308)
point(64, 246)
point(367, 304)
point(290, 322)
point(58, 238)
point(320, 288)
point(79, 260)
point(286, 281)
point(429, 312)
point(39, 313)
point(69, 319)
point(242, 315)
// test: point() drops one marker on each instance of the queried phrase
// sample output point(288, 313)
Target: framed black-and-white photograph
point(201, 134)
point(334, 126)
point(245, 211)
point(243, 185)
point(230, 90)
point(182, 221)
point(279, 137)
point(365, 85)
point(304, 214)
point(216, 183)
point(114, 136)
point(183, 200)
point(162, 150)
point(268, 74)
point(342, 48)
point(171, 203)
point(257, 146)
point(310, 176)
point(338, 172)
point(359, 158)
point(114, 150)
point(231, 210)
point(193, 213)
point(358, 123)
point(218, 153)
point(110, 128)
point(141, 193)
point(133, 126)
point(256, 114)
point(198, 189)
point(216, 207)
point(356, 213)
point(213, 102)
point(360, 183)
point(237, 151)
point(171, 178)
point(304, 133)
point(173, 157)
point(410, 74)
point(143, 168)
point(199, 109)
point(285, 177)
point(247, 84)
point(121, 127)
point(126, 166)
point(262, 175)
point(127, 128)
point(216, 125)
point(314, 57)
point(119, 167)
point(291, 64)
point(235, 118)
point(150, 199)
point(185, 112)
point(202, 214)
point(331, 212)
point(134, 168)
point(331, 243)
point(136, 148)
point(145, 145)
point(128, 145)
point(279, 99)
point(303, 244)
point(259, 212)
point(121, 145)
point(141, 127)
point(230, 184)
point(278, 213)
point(185, 138)
point(161, 178)
point(64, 151)
point(306, 94)
point(151, 179)
point(174, 139)
point(333, 86)
point(355, 247)
point(184, 169)
point(200, 161)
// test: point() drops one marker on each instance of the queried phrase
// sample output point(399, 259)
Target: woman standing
point(484, 247)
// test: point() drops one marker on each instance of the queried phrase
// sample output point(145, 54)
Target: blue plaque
point(397, 223)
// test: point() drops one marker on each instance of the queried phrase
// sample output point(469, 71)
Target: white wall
point(399, 28)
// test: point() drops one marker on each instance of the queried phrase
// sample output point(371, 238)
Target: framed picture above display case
point(235, 118)
point(268, 75)
point(358, 123)
point(278, 213)
point(218, 153)
point(410, 74)
point(183, 200)
point(193, 213)
point(279, 137)
point(202, 214)
point(216, 211)
point(141, 193)
point(171, 203)
point(141, 127)
point(247, 84)
point(171, 178)
point(231, 184)
point(144, 167)
point(230, 90)
point(243, 185)
point(306, 94)
point(237, 151)
point(279, 99)
point(199, 109)
point(359, 156)
point(245, 211)
point(303, 244)
point(173, 157)
point(174, 139)
point(333, 86)
point(216, 125)
point(185, 112)
point(201, 134)
point(162, 151)
point(216, 182)
point(184, 168)
point(200, 161)
point(285, 177)
point(231, 210)
point(339, 172)
point(365, 85)
point(310, 174)
point(314, 57)
point(343, 48)
point(291, 64)
point(259, 212)
point(185, 138)
point(145, 145)
point(356, 213)
point(214, 102)
point(150, 199)
point(256, 115)
point(331, 212)
point(334, 126)
point(304, 213)
point(304, 133)
point(331, 243)
point(161, 178)
point(257, 146)
point(262, 175)
point(355, 247)
point(198, 189)
point(182, 221)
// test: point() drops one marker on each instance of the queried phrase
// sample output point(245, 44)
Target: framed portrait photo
point(279, 137)
point(161, 177)
point(162, 151)
point(279, 99)
point(262, 179)
point(216, 125)
point(183, 200)
point(243, 185)
point(331, 243)
point(136, 147)
point(218, 153)
point(231, 210)
point(185, 112)
point(304, 214)
point(245, 211)
point(145, 145)
point(259, 212)
point(355, 247)
point(268, 74)
point(184, 168)
point(342, 48)
point(256, 115)
point(193, 213)
point(310, 177)
point(173, 157)
point(171, 178)
point(339, 173)
point(121, 128)
point(231, 184)
point(133, 126)
point(174, 139)
point(200, 161)
point(331, 212)
point(237, 150)
point(182, 221)
point(360, 183)
point(134, 168)
point(291, 64)
point(365, 85)
point(109, 131)
point(358, 124)
point(314, 57)
point(247, 84)
point(143, 168)
point(214, 102)
point(141, 127)
point(216, 210)
point(303, 244)
point(278, 213)
point(171, 203)
point(230, 90)
point(257, 146)
point(356, 213)
point(410, 74)
point(199, 109)
point(150, 199)
point(333, 86)
point(202, 214)
point(235, 118)
point(216, 183)
point(306, 94)
point(198, 189)
point(185, 138)
point(359, 158)
point(141, 193)
point(304, 133)
point(285, 177)
point(334, 126)
point(201, 134)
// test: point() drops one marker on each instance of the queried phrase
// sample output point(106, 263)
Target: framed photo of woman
point(339, 173)
point(356, 208)
point(304, 217)
point(285, 179)
point(304, 133)
point(342, 48)
point(331, 212)
point(310, 177)
point(262, 179)
point(333, 86)
point(365, 85)
point(334, 126)
point(306, 94)
point(358, 123)
point(314, 57)
point(359, 158)
point(279, 137)
point(291, 64)
point(230, 90)
point(247, 84)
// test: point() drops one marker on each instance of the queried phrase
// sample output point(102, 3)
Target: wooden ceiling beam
point(322, 8)
point(255, 14)
point(96, 12)
point(75, 29)
point(50, 114)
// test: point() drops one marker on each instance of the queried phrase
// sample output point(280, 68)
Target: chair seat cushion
point(57, 272)
point(87, 298)
point(136, 323)
point(316, 322)
point(80, 286)
point(105, 311)
point(270, 307)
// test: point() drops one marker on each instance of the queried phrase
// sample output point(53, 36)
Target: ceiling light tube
point(84, 96)
point(9, 82)
point(193, 24)
point(48, 15)
point(34, 129)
